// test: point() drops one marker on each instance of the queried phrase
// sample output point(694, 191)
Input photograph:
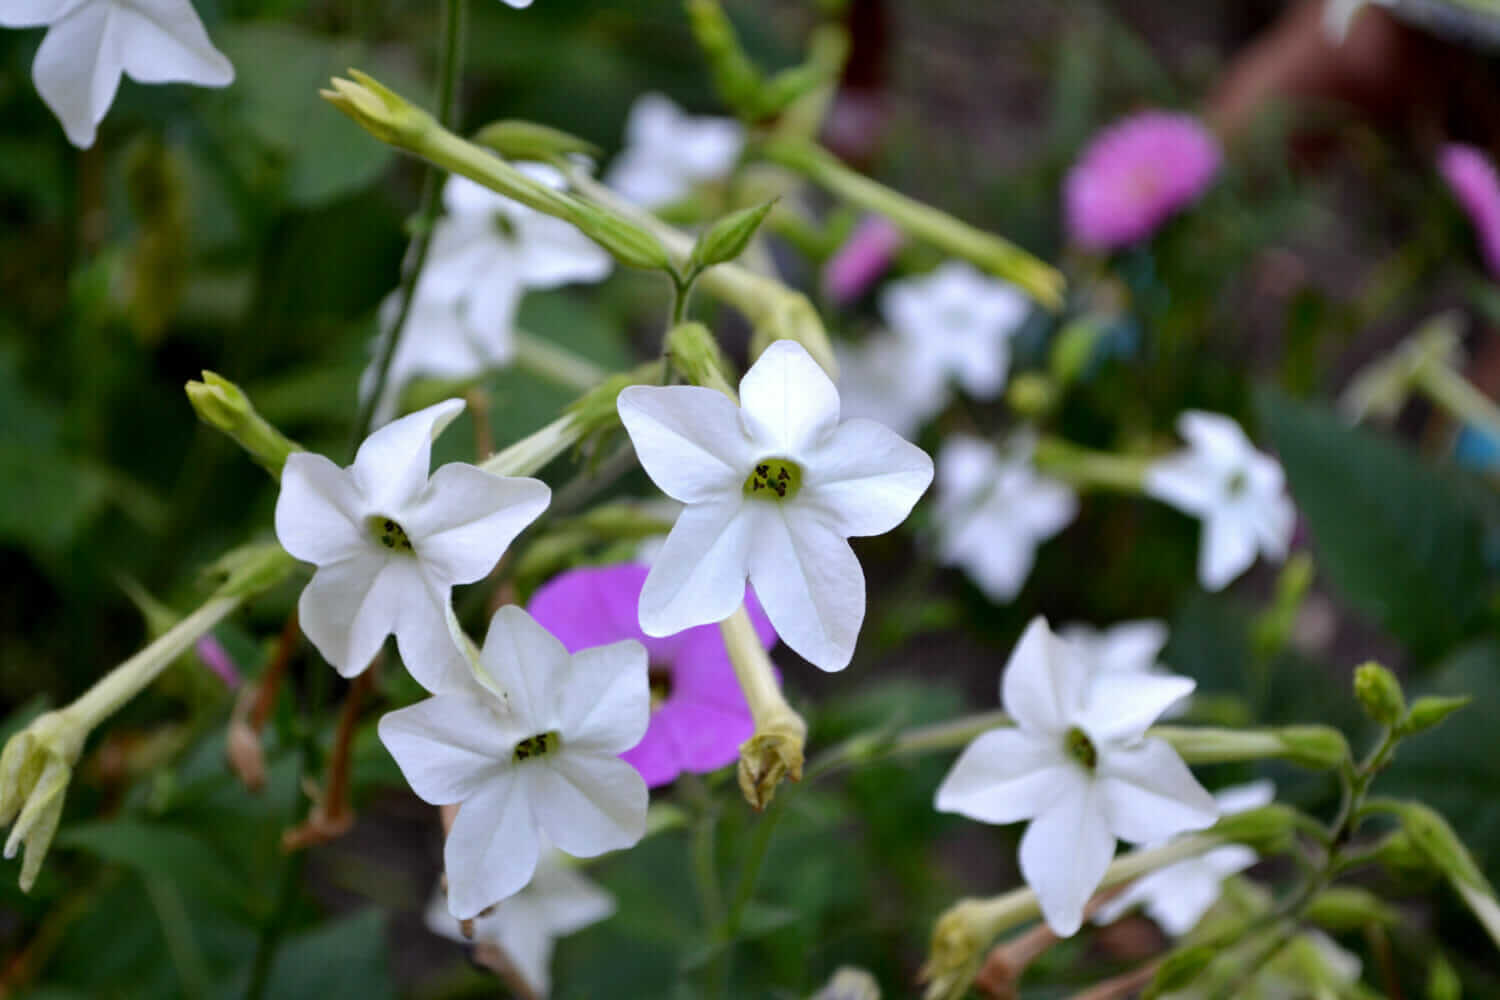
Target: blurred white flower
point(558, 901)
point(90, 43)
point(880, 380)
point(957, 324)
point(1079, 766)
point(530, 748)
point(390, 543)
point(993, 510)
point(1128, 647)
point(774, 487)
point(668, 152)
point(1178, 896)
point(1238, 492)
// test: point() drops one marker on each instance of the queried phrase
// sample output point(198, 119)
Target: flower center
point(388, 533)
point(1237, 483)
point(539, 745)
point(774, 479)
point(660, 679)
point(1076, 744)
point(504, 225)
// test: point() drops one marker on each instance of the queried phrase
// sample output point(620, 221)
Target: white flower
point(530, 748)
point(1079, 766)
point(558, 901)
point(1239, 493)
point(881, 379)
point(519, 4)
point(773, 489)
point(1177, 896)
point(90, 43)
point(668, 152)
point(1129, 647)
point(958, 323)
point(390, 542)
point(993, 511)
point(489, 249)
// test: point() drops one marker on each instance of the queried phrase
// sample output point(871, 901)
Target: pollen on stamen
point(389, 533)
point(1076, 744)
point(774, 479)
point(539, 745)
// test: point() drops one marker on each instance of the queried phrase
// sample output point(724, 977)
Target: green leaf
point(343, 958)
point(1400, 540)
point(155, 850)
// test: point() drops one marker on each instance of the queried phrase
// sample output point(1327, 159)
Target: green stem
point(749, 876)
point(450, 67)
point(1454, 393)
point(1085, 469)
point(555, 363)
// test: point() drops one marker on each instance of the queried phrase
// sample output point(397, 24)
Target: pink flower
point(1472, 177)
point(862, 259)
point(216, 658)
point(1134, 175)
point(698, 713)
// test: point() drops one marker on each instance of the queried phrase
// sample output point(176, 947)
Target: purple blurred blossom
point(216, 658)
point(702, 720)
point(863, 258)
point(1134, 175)
point(1475, 184)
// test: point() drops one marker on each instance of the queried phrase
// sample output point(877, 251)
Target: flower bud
point(1320, 747)
point(627, 242)
point(1432, 835)
point(35, 768)
point(1379, 693)
point(788, 315)
point(727, 238)
point(1430, 710)
point(958, 942)
point(1268, 829)
point(768, 758)
point(1031, 394)
point(223, 405)
point(694, 352)
point(522, 140)
point(379, 110)
point(1346, 908)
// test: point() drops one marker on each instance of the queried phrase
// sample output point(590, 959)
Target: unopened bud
point(1432, 835)
point(35, 768)
point(694, 352)
point(1430, 710)
point(1267, 829)
point(959, 940)
point(242, 745)
point(727, 238)
point(523, 140)
point(1346, 908)
point(223, 405)
point(768, 758)
point(1318, 747)
point(1379, 693)
point(379, 110)
point(626, 242)
point(1032, 394)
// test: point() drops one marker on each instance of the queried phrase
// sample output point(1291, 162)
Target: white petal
point(998, 564)
point(568, 901)
point(1046, 683)
point(1006, 775)
point(1243, 798)
point(688, 439)
point(465, 518)
point(448, 747)
point(707, 147)
point(1064, 854)
point(1132, 647)
point(1274, 521)
point(1226, 550)
point(1215, 436)
point(1121, 706)
point(653, 119)
point(463, 197)
point(524, 939)
point(77, 69)
point(319, 516)
point(1185, 481)
point(528, 663)
point(35, 13)
point(390, 468)
point(699, 574)
point(788, 401)
point(491, 851)
point(637, 174)
point(553, 253)
point(1045, 507)
point(425, 636)
point(604, 705)
point(866, 477)
point(965, 465)
point(589, 804)
point(163, 41)
point(348, 608)
point(809, 583)
point(1148, 794)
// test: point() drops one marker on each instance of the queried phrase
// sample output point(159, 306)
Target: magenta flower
point(698, 713)
point(863, 258)
point(216, 658)
point(1134, 175)
point(1472, 178)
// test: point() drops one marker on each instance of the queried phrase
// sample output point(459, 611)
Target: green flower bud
point(1320, 747)
point(1379, 693)
point(695, 353)
point(223, 405)
point(1432, 835)
point(627, 242)
point(379, 110)
point(1268, 829)
point(523, 140)
point(1032, 394)
point(1430, 710)
point(727, 238)
point(1345, 908)
point(1073, 348)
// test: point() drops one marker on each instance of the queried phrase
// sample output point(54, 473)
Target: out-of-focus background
point(254, 231)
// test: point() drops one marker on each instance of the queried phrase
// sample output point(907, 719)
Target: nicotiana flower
point(993, 510)
point(390, 542)
point(959, 323)
point(558, 901)
point(881, 379)
point(1473, 180)
point(530, 748)
point(1079, 766)
point(773, 488)
point(1238, 492)
point(698, 713)
point(89, 43)
point(1178, 896)
point(668, 152)
point(1134, 175)
point(1128, 647)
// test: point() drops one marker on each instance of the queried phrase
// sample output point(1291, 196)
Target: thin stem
point(1454, 393)
point(561, 366)
point(270, 683)
point(749, 876)
point(450, 68)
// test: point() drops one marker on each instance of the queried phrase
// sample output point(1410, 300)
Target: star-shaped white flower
point(1079, 766)
point(558, 901)
point(488, 250)
point(668, 152)
point(882, 379)
point(530, 748)
point(959, 324)
point(1178, 896)
point(390, 543)
point(1239, 493)
point(773, 489)
point(90, 43)
point(993, 511)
